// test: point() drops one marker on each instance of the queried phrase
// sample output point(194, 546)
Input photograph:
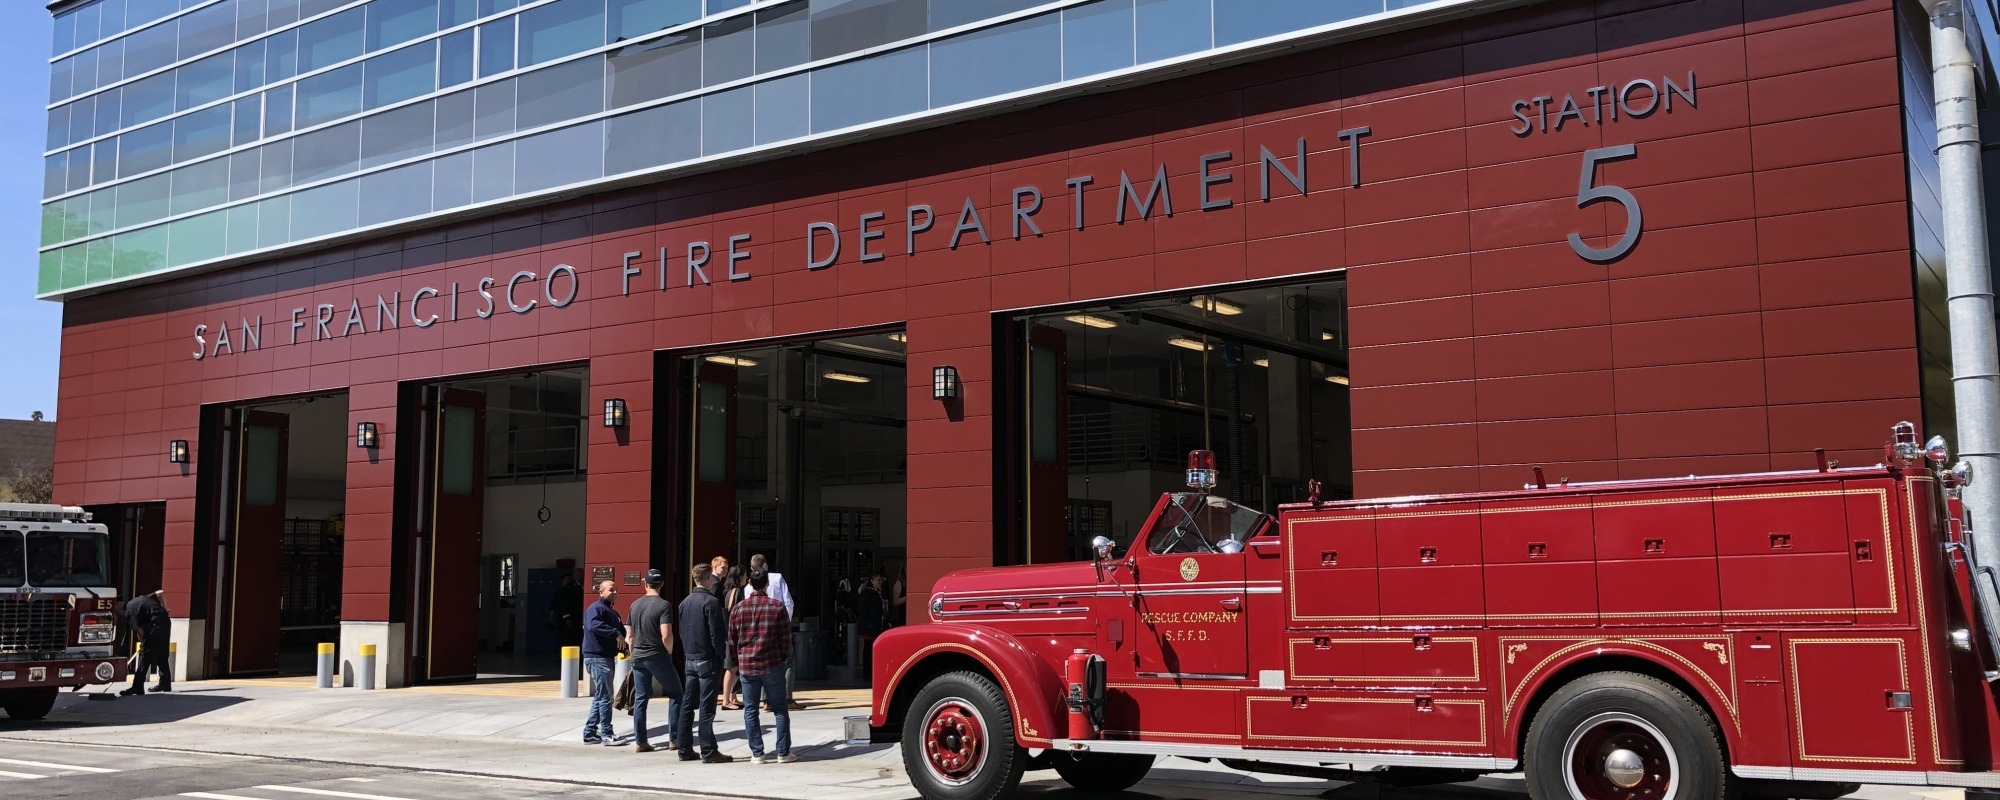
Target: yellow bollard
point(367, 666)
point(572, 666)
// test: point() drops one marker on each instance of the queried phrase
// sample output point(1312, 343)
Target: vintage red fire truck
point(1786, 634)
point(58, 608)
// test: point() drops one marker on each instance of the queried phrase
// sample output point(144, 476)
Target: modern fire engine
point(58, 609)
point(1785, 634)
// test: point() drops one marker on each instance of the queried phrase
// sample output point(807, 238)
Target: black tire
point(27, 704)
point(958, 740)
point(1592, 717)
point(1103, 773)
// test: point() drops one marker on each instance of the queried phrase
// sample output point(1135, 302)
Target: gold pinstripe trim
point(1923, 616)
point(1250, 733)
point(1798, 706)
point(1292, 669)
point(1027, 729)
point(1728, 698)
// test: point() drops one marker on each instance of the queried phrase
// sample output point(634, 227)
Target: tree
point(30, 485)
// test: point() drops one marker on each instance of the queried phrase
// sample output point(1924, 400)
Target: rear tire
point(1103, 773)
point(958, 740)
point(1622, 734)
point(29, 704)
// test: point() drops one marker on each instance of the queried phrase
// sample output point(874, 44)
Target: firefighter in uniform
point(151, 625)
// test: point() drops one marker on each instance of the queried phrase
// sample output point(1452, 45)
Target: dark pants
point(644, 672)
point(769, 687)
point(697, 706)
point(153, 654)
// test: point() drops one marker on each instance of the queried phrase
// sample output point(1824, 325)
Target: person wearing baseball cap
point(652, 636)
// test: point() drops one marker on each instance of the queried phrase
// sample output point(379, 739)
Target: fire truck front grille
point(32, 625)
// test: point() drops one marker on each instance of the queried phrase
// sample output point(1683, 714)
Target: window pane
point(1044, 442)
point(844, 26)
point(250, 65)
point(58, 130)
point(493, 172)
point(145, 149)
point(712, 433)
point(454, 119)
point(395, 135)
point(80, 176)
point(781, 108)
point(248, 119)
point(110, 62)
point(275, 166)
point(496, 109)
point(1097, 37)
point(331, 40)
point(150, 49)
point(456, 472)
point(251, 18)
point(953, 13)
point(457, 12)
point(327, 209)
point(108, 110)
point(395, 194)
point(870, 89)
point(242, 229)
point(1170, 28)
point(207, 29)
point(1243, 20)
point(83, 119)
point(103, 161)
point(204, 81)
point(65, 35)
point(660, 68)
point(326, 153)
point(728, 50)
point(243, 176)
point(141, 201)
point(85, 77)
point(393, 22)
point(313, 8)
point(728, 120)
point(995, 61)
point(274, 221)
point(659, 135)
point(565, 92)
point(90, 18)
point(451, 181)
point(329, 95)
point(784, 36)
point(496, 47)
point(60, 75)
point(192, 240)
point(281, 57)
point(631, 18)
point(561, 28)
point(140, 12)
point(400, 75)
point(278, 110)
point(488, 8)
point(151, 98)
point(455, 59)
point(559, 157)
point(199, 186)
point(55, 174)
point(718, 6)
point(202, 133)
point(282, 12)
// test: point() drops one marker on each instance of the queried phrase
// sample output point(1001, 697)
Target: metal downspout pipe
point(1975, 358)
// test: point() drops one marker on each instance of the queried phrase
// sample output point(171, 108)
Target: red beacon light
point(1201, 469)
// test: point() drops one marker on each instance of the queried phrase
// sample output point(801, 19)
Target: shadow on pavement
point(78, 710)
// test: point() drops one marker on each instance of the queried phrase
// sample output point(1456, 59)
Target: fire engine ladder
point(1985, 585)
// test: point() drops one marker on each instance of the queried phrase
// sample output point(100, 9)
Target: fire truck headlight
point(106, 672)
point(1936, 451)
point(96, 634)
point(1961, 473)
point(1961, 639)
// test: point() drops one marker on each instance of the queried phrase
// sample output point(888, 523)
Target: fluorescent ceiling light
point(1091, 320)
point(899, 337)
point(1189, 344)
point(1339, 379)
point(1326, 336)
point(846, 377)
point(1262, 362)
point(733, 361)
point(1211, 303)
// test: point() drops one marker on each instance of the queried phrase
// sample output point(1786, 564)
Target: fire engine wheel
point(29, 703)
point(1102, 773)
point(958, 741)
point(1624, 736)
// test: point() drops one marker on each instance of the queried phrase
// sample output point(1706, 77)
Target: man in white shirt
point(780, 591)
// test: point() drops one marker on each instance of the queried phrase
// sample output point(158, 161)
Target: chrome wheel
point(955, 741)
point(1618, 756)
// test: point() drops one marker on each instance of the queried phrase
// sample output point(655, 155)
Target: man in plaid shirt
point(760, 632)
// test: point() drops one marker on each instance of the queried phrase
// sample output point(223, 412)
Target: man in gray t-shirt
point(652, 634)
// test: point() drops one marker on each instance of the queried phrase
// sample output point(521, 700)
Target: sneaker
point(717, 757)
point(592, 740)
point(787, 758)
point(756, 759)
point(132, 693)
point(687, 755)
point(161, 688)
point(618, 741)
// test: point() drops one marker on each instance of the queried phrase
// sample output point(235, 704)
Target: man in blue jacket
point(603, 640)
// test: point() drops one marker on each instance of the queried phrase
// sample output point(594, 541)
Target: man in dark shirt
point(702, 641)
point(603, 640)
point(152, 627)
point(566, 610)
point(652, 637)
point(761, 633)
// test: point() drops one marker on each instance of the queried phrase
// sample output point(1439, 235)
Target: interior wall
point(511, 526)
point(316, 458)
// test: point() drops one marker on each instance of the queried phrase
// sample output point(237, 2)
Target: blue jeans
point(601, 690)
point(644, 672)
point(698, 691)
point(771, 686)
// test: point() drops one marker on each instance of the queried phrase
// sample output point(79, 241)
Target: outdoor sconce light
point(177, 451)
point(614, 413)
point(944, 383)
point(365, 436)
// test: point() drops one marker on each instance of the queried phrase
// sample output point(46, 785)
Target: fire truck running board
point(1981, 780)
point(1354, 761)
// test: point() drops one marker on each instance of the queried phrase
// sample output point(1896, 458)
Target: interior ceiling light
point(1189, 344)
point(846, 377)
point(1326, 336)
point(1091, 320)
point(734, 361)
point(1340, 379)
point(1219, 306)
point(1262, 362)
point(901, 337)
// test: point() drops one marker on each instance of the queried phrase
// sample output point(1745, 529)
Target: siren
point(1201, 469)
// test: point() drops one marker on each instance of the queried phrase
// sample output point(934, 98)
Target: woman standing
point(734, 588)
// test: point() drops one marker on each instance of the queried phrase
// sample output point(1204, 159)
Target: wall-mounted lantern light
point(365, 436)
point(944, 383)
point(614, 412)
point(177, 451)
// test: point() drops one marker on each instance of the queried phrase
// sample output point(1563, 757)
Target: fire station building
point(382, 317)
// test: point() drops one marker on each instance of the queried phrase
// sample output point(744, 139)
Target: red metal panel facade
point(1766, 310)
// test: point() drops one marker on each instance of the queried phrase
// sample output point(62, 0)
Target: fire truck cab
point(58, 608)
point(1787, 634)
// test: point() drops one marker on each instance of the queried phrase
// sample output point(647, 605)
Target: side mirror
point(1100, 548)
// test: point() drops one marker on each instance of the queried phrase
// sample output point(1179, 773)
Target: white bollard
point(619, 669)
point(326, 655)
point(368, 666)
point(572, 665)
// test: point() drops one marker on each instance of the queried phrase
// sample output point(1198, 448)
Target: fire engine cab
point(1786, 634)
point(58, 609)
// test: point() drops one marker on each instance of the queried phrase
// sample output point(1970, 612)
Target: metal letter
point(626, 271)
point(221, 338)
point(1625, 98)
point(484, 284)
point(549, 286)
point(663, 269)
point(387, 309)
point(296, 324)
point(1353, 137)
point(694, 265)
point(1076, 191)
point(866, 234)
point(253, 336)
point(353, 318)
point(910, 226)
point(968, 220)
point(1597, 103)
point(1685, 94)
point(1267, 161)
point(1587, 194)
point(735, 256)
point(1569, 109)
point(1208, 180)
point(812, 235)
point(200, 344)
point(454, 301)
point(1521, 113)
point(515, 281)
point(1159, 193)
point(421, 321)
point(1542, 111)
point(1027, 214)
point(322, 315)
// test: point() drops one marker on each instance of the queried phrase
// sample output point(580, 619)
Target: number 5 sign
point(1586, 194)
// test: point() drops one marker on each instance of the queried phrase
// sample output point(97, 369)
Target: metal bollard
point(572, 665)
point(367, 666)
point(326, 654)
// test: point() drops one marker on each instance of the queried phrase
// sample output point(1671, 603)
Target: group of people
point(736, 635)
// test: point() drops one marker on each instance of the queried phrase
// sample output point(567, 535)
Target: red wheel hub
point(954, 741)
point(1620, 759)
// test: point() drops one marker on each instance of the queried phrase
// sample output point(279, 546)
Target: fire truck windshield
point(60, 558)
point(1190, 522)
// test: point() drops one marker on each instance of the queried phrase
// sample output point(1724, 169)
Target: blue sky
point(33, 339)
